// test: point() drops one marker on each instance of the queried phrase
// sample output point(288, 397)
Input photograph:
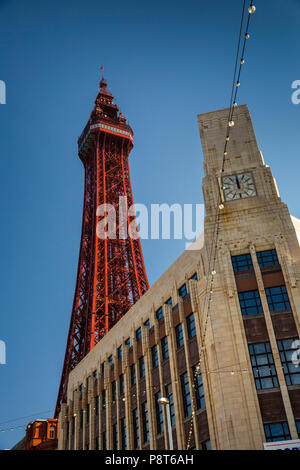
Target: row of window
point(277, 297)
point(191, 328)
point(182, 291)
point(187, 409)
point(264, 258)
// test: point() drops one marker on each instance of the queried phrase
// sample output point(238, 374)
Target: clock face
point(238, 186)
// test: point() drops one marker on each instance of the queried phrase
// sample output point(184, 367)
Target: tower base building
point(246, 390)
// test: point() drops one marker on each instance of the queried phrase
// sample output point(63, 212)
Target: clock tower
point(254, 318)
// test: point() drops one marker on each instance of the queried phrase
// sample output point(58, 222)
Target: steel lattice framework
point(111, 274)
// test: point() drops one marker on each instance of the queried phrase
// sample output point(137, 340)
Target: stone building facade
point(247, 390)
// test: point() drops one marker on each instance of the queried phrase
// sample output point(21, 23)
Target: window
point(80, 388)
point(159, 414)
point(142, 367)
point(123, 434)
point(115, 436)
point(103, 399)
point(242, 262)
point(179, 335)
point(159, 313)
point(127, 342)
point(52, 432)
point(120, 353)
point(191, 327)
point(154, 354)
point(186, 396)
point(169, 301)
point(169, 395)
point(136, 430)
point(97, 443)
point(110, 359)
point(102, 368)
point(194, 277)
point(291, 371)
point(138, 334)
point(113, 391)
point(263, 365)
point(277, 432)
point(147, 323)
point(95, 374)
point(298, 427)
point(121, 384)
point(277, 298)
point(250, 302)
point(132, 374)
point(206, 445)
point(198, 386)
point(104, 441)
point(164, 347)
point(145, 421)
point(96, 406)
point(182, 291)
point(81, 419)
point(267, 258)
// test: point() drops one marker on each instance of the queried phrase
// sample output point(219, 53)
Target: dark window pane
point(267, 258)
point(182, 291)
point(289, 359)
point(159, 414)
point(250, 302)
point(198, 386)
point(169, 395)
point(277, 298)
point(136, 429)
point(242, 262)
point(186, 396)
point(138, 334)
point(159, 313)
point(164, 347)
point(132, 374)
point(142, 367)
point(262, 361)
point(191, 327)
point(154, 353)
point(145, 420)
point(277, 432)
point(179, 335)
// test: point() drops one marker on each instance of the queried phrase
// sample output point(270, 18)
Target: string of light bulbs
point(240, 58)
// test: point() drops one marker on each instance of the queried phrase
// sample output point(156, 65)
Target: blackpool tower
point(111, 274)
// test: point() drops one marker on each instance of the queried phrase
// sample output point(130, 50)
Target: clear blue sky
point(166, 62)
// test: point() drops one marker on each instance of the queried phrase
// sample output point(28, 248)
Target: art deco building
point(248, 389)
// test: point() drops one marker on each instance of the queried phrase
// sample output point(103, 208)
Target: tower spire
point(111, 274)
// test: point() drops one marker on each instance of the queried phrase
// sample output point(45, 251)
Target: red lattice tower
point(111, 274)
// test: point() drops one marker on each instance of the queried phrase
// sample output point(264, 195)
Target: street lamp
point(166, 402)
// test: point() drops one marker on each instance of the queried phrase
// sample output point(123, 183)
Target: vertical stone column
point(167, 310)
point(77, 419)
point(127, 384)
point(91, 402)
point(107, 387)
point(194, 427)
